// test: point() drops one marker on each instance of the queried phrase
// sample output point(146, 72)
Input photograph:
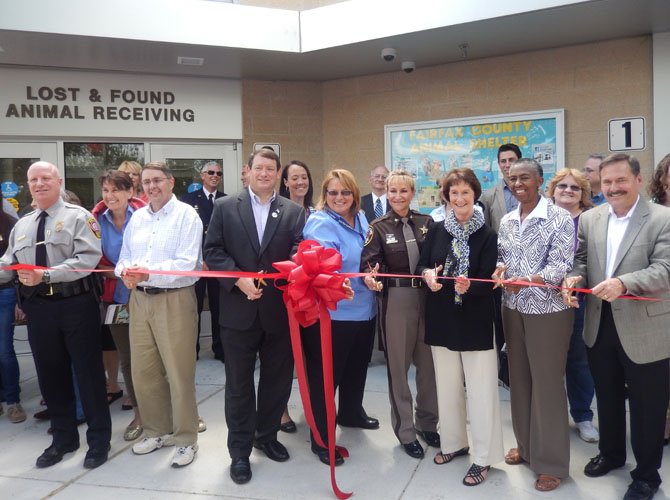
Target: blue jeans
point(578, 379)
point(9, 366)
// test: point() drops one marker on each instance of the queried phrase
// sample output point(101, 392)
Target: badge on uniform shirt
point(93, 226)
point(368, 236)
point(59, 226)
point(424, 229)
point(390, 238)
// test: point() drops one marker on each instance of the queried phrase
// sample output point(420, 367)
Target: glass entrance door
point(186, 161)
point(15, 158)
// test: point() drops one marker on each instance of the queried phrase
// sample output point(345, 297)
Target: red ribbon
point(313, 288)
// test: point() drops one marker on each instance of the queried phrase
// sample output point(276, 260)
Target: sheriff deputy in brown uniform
point(393, 245)
point(63, 315)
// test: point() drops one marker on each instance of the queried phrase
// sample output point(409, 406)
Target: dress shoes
point(599, 466)
point(322, 453)
point(413, 449)
point(431, 438)
point(95, 457)
point(640, 490)
point(273, 449)
point(364, 422)
point(240, 470)
point(43, 414)
point(54, 454)
point(288, 427)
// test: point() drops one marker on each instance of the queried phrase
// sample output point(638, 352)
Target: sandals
point(545, 482)
point(477, 473)
point(445, 458)
point(513, 457)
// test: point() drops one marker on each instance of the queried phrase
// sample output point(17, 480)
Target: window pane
point(187, 172)
point(15, 189)
point(84, 162)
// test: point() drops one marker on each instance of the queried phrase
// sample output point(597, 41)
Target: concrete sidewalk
point(377, 469)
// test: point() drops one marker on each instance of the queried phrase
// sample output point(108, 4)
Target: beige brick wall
point(341, 122)
point(288, 113)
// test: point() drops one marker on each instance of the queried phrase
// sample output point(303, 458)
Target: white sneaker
point(587, 432)
point(184, 455)
point(147, 445)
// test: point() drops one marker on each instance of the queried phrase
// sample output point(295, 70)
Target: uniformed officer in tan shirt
point(61, 306)
point(393, 246)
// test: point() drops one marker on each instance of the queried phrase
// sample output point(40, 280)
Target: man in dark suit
point(375, 204)
point(248, 232)
point(203, 202)
point(624, 249)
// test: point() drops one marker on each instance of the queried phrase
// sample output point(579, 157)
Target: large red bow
point(312, 289)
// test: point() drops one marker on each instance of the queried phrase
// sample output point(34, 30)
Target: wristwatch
point(46, 277)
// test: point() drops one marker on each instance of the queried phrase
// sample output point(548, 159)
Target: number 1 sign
point(626, 134)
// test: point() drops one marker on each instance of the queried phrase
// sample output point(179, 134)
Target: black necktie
point(40, 245)
point(211, 198)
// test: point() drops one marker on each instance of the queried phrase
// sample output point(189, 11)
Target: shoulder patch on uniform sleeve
point(368, 237)
point(93, 226)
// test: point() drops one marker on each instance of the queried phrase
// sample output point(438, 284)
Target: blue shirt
point(510, 200)
point(112, 240)
point(332, 231)
point(598, 199)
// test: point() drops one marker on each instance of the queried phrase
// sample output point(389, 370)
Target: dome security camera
point(408, 66)
point(388, 54)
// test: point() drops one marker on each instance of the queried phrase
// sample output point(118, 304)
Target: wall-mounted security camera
point(408, 66)
point(388, 54)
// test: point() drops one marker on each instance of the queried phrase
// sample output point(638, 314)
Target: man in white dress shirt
point(166, 235)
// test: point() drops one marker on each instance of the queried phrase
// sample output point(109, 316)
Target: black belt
point(58, 290)
point(405, 282)
point(152, 290)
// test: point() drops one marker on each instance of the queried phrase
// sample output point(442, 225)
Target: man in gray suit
point(624, 249)
point(499, 200)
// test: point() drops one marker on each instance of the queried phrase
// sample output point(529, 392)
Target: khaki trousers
point(479, 370)
point(537, 349)
point(163, 333)
point(403, 339)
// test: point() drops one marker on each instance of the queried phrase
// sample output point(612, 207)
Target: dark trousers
point(65, 333)
point(247, 416)
point(648, 394)
point(578, 379)
point(211, 286)
point(352, 345)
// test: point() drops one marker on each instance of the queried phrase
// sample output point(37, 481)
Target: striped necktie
point(379, 211)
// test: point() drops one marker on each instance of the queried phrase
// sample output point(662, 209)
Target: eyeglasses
point(571, 187)
point(344, 193)
point(157, 181)
point(214, 172)
point(379, 176)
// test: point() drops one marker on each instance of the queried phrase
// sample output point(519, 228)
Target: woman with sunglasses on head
point(570, 190)
point(339, 223)
point(134, 170)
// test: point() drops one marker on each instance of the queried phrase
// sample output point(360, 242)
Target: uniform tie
point(410, 243)
point(379, 211)
point(40, 245)
point(211, 198)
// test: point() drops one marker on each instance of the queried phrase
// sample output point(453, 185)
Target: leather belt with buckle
point(152, 290)
point(405, 282)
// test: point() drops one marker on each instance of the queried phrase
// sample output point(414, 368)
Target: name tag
point(390, 238)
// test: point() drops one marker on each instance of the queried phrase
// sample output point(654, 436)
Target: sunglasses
point(344, 193)
point(563, 187)
point(214, 172)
